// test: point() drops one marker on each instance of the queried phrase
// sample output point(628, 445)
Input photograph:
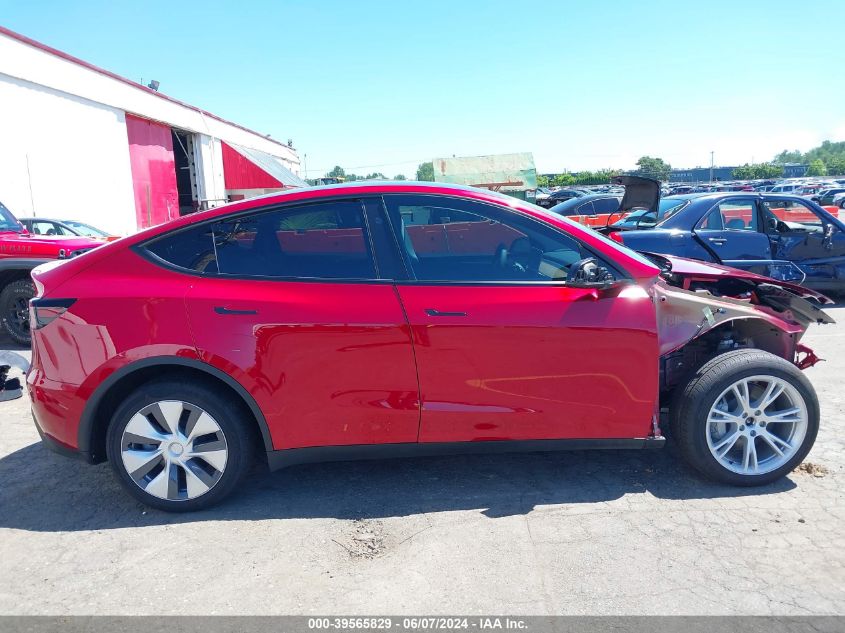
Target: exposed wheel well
point(677, 366)
point(95, 423)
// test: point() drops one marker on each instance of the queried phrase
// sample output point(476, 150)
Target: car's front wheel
point(178, 446)
point(746, 418)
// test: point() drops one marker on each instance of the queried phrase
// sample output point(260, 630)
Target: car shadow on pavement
point(41, 491)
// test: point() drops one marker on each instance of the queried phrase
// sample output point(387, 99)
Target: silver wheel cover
point(174, 450)
point(756, 425)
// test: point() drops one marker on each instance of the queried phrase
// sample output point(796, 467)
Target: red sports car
point(407, 319)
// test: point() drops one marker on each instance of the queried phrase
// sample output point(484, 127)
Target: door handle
point(224, 310)
point(437, 313)
point(718, 241)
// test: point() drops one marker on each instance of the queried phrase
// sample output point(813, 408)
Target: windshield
point(8, 221)
point(644, 219)
point(85, 229)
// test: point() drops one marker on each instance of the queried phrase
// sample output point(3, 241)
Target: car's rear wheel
point(746, 418)
point(179, 447)
point(14, 310)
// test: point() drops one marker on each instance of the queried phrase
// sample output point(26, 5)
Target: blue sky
point(381, 86)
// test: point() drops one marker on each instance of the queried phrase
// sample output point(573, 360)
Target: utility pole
point(711, 167)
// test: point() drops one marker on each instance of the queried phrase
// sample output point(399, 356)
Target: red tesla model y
point(407, 319)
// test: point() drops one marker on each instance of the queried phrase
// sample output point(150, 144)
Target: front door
point(505, 348)
point(811, 241)
point(292, 304)
point(731, 231)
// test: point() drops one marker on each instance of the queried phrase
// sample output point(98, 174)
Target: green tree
point(337, 172)
point(352, 177)
point(376, 175)
point(399, 177)
point(563, 180)
point(836, 166)
point(746, 172)
point(817, 168)
point(425, 171)
point(653, 168)
point(788, 156)
point(542, 180)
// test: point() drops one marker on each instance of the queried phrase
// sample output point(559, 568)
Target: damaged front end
point(704, 310)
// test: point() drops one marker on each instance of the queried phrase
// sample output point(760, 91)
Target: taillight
point(616, 236)
point(45, 311)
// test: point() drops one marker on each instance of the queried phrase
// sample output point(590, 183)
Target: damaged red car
point(404, 319)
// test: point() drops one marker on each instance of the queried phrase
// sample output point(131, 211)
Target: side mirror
point(772, 224)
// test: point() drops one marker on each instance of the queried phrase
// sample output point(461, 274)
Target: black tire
point(692, 403)
point(14, 298)
point(234, 421)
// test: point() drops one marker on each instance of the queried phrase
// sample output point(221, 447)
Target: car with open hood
point(407, 319)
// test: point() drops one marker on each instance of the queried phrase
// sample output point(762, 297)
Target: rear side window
point(606, 205)
point(318, 241)
point(192, 249)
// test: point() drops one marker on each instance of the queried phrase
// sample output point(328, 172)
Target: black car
point(592, 206)
point(559, 196)
point(780, 236)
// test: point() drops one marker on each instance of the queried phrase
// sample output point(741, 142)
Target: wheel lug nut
point(757, 413)
point(744, 415)
point(742, 428)
point(753, 433)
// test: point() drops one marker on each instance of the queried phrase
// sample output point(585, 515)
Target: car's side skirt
point(293, 456)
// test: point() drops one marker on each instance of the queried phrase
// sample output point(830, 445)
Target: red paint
point(533, 362)
point(359, 363)
point(241, 173)
point(153, 171)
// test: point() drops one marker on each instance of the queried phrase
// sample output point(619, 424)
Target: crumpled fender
point(684, 315)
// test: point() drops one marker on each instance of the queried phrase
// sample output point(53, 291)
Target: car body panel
point(513, 363)
point(346, 346)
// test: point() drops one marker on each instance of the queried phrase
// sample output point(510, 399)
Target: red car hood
point(684, 267)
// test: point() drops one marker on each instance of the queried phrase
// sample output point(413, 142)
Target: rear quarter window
point(190, 249)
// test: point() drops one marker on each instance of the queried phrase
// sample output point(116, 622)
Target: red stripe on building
point(241, 173)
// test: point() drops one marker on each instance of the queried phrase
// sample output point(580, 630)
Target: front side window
point(731, 215)
point(795, 214)
point(446, 239)
point(8, 221)
point(316, 241)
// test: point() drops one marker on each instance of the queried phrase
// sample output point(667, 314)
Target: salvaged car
point(20, 252)
point(406, 319)
point(780, 236)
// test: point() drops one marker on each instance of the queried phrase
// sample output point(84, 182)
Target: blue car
point(780, 236)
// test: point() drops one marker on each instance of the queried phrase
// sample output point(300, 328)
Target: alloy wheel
point(756, 425)
point(174, 450)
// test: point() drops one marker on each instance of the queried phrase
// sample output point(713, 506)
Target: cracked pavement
point(605, 532)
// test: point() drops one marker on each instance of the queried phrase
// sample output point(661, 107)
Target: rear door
point(731, 231)
point(291, 302)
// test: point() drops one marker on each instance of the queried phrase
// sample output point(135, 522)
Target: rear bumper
point(58, 447)
point(56, 411)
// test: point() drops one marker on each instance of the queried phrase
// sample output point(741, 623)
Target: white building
point(79, 142)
